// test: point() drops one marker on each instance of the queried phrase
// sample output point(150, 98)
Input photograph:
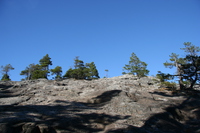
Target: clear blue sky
point(103, 31)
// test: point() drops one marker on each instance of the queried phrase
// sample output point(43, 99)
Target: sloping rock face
point(119, 104)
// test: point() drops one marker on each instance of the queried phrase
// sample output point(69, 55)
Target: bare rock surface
point(110, 105)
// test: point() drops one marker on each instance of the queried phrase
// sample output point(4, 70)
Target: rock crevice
point(119, 104)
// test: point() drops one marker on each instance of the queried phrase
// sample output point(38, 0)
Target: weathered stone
point(119, 104)
point(30, 128)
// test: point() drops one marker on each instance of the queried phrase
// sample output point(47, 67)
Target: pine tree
point(177, 62)
point(78, 71)
point(34, 72)
point(191, 68)
point(188, 68)
point(57, 71)
point(78, 64)
point(92, 71)
point(45, 62)
point(163, 77)
point(69, 73)
point(82, 71)
point(5, 77)
point(5, 71)
point(28, 72)
point(38, 72)
point(136, 67)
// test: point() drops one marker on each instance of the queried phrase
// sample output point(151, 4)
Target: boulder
point(118, 104)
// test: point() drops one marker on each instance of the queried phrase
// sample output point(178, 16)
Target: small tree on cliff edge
point(57, 71)
point(5, 71)
point(177, 62)
point(188, 68)
point(92, 71)
point(28, 72)
point(37, 71)
point(82, 71)
point(44, 63)
point(136, 67)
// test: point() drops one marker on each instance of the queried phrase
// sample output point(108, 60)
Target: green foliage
point(5, 77)
point(68, 74)
point(78, 72)
point(5, 71)
point(191, 68)
point(78, 64)
point(187, 83)
point(81, 71)
point(136, 66)
point(163, 77)
point(191, 49)
point(175, 61)
point(170, 85)
point(38, 72)
point(91, 71)
point(44, 63)
point(57, 71)
point(28, 71)
point(75, 73)
point(164, 83)
point(188, 68)
point(6, 68)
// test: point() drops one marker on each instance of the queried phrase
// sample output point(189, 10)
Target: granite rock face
point(119, 104)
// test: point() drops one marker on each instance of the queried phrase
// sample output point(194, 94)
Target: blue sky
point(103, 31)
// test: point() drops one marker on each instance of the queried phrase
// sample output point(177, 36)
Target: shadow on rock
point(52, 119)
point(5, 92)
point(103, 98)
point(183, 118)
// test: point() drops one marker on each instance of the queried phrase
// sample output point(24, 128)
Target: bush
point(169, 85)
point(5, 77)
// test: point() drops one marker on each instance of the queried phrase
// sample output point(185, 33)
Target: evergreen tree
point(188, 68)
point(163, 77)
point(28, 72)
point(45, 62)
point(78, 64)
point(82, 71)
point(92, 71)
point(34, 72)
point(38, 72)
point(69, 73)
point(78, 71)
point(5, 77)
point(57, 71)
point(191, 69)
point(177, 62)
point(5, 71)
point(75, 73)
point(136, 66)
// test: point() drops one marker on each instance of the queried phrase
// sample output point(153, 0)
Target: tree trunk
point(181, 85)
point(194, 81)
point(179, 70)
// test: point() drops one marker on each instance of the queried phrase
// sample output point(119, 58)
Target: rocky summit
point(124, 104)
